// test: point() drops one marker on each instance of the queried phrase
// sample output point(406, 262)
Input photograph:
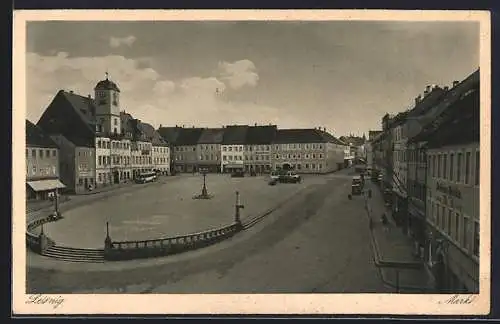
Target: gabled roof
point(35, 136)
point(189, 136)
point(307, 135)
point(151, 134)
point(72, 116)
point(235, 134)
point(211, 136)
point(169, 134)
point(261, 134)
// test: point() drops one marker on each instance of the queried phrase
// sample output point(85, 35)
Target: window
point(456, 235)
point(459, 167)
point(100, 177)
point(467, 167)
point(54, 153)
point(439, 166)
point(433, 212)
point(443, 218)
point(224, 149)
point(476, 170)
point(445, 166)
point(475, 248)
point(33, 170)
point(465, 234)
point(100, 160)
point(452, 165)
point(434, 168)
point(41, 154)
point(80, 182)
point(448, 223)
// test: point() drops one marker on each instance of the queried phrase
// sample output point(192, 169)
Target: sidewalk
point(393, 250)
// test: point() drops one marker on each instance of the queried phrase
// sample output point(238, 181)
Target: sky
point(341, 75)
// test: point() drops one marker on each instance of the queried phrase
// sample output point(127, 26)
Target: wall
point(103, 161)
point(66, 162)
point(453, 208)
point(42, 163)
point(258, 157)
point(232, 154)
point(84, 168)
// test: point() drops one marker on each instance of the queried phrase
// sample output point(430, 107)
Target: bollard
point(107, 241)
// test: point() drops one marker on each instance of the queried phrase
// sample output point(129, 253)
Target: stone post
point(107, 241)
point(44, 242)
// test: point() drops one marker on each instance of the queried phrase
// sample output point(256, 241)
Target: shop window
point(80, 182)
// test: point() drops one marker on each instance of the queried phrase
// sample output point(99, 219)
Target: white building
point(233, 148)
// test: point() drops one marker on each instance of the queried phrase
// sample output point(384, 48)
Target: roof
point(261, 134)
point(35, 136)
point(352, 140)
point(466, 91)
point(151, 134)
point(106, 85)
point(305, 135)
point(211, 136)
point(399, 119)
point(372, 134)
point(458, 123)
point(169, 134)
point(84, 107)
point(235, 134)
point(189, 136)
point(71, 115)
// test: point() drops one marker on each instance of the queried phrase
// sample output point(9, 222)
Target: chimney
point(455, 83)
point(446, 88)
point(255, 124)
point(71, 91)
point(428, 88)
point(89, 97)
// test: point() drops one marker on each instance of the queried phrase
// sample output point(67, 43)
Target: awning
point(43, 185)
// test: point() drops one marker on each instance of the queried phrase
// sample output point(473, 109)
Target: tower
point(107, 99)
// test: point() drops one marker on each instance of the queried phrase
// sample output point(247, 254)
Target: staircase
point(75, 255)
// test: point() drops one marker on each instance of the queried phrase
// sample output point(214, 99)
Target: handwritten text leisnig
point(41, 299)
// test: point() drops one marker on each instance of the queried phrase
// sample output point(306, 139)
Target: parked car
point(290, 177)
point(357, 185)
point(238, 174)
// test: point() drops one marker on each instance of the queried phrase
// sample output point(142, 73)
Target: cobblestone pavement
point(318, 242)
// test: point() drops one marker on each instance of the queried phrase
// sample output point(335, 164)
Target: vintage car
point(357, 185)
point(289, 177)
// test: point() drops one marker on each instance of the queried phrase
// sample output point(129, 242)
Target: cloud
point(239, 74)
point(119, 41)
point(145, 93)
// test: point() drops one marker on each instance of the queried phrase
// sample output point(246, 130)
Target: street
point(317, 242)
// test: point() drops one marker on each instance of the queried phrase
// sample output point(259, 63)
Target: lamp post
point(107, 241)
point(238, 206)
point(204, 190)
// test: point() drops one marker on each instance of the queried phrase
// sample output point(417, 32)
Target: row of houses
point(258, 148)
point(428, 158)
point(98, 144)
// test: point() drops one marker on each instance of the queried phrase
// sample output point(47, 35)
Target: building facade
point(400, 170)
point(307, 151)
point(76, 164)
point(42, 164)
point(258, 148)
point(208, 149)
point(233, 148)
point(186, 159)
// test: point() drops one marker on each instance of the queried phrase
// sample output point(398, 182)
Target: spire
point(107, 75)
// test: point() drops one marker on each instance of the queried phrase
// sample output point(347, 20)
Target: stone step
point(74, 254)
